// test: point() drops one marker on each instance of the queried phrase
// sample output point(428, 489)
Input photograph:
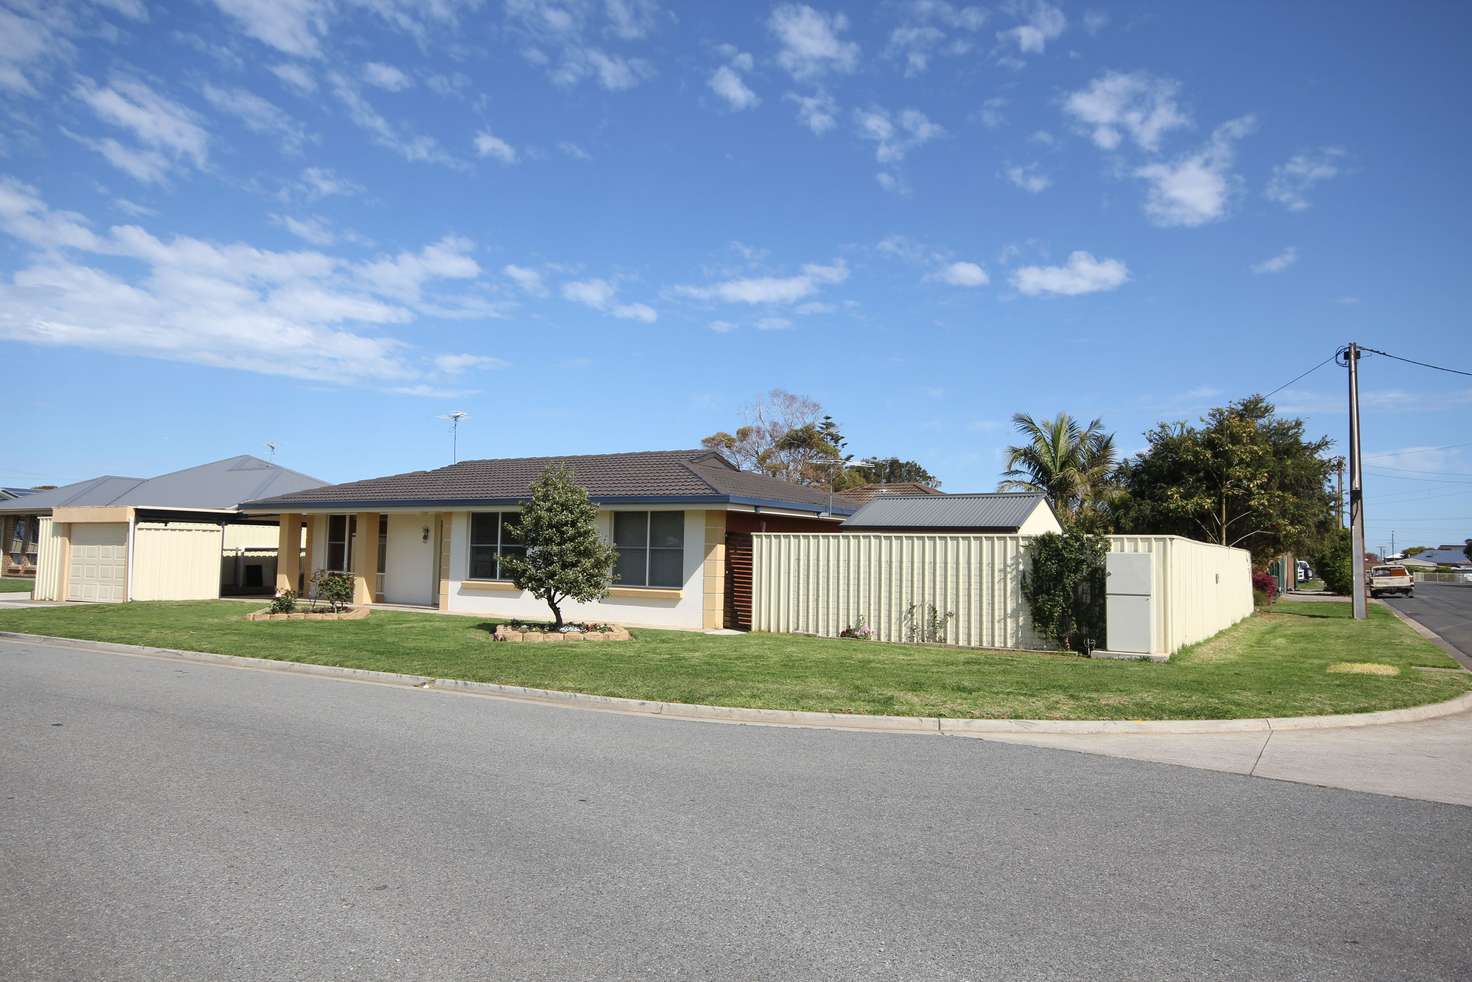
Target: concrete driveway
point(163, 819)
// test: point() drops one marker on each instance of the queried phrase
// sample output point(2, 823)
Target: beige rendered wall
point(176, 561)
point(50, 560)
point(1041, 520)
point(714, 565)
point(251, 537)
point(807, 583)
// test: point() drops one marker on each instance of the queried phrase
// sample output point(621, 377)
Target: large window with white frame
point(651, 548)
point(491, 537)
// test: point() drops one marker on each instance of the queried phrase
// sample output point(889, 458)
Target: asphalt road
point(169, 820)
point(1445, 609)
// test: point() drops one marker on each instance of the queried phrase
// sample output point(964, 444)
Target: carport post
point(288, 552)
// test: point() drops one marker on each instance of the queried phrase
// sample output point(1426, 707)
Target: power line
point(1412, 470)
point(1415, 450)
point(1304, 375)
point(1412, 361)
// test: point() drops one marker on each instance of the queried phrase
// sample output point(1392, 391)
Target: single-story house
point(987, 513)
point(1445, 555)
point(179, 536)
point(681, 521)
point(18, 536)
point(1416, 563)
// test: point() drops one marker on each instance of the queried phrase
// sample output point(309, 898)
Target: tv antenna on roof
point(454, 420)
point(271, 447)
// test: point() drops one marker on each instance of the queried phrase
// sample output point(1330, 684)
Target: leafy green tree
point(1072, 465)
point(891, 470)
point(1332, 561)
point(786, 436)
point(1417, 550)
point(1467, 550)
point(1246, 477)
point(565, 559)
point(1064, 588)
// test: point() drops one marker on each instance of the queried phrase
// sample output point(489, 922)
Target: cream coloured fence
point(820, 583)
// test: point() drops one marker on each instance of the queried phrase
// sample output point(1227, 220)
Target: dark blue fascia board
point(441, 504)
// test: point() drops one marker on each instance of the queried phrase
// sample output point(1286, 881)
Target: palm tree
point(1069, 465)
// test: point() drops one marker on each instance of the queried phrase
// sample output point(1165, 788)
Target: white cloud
point(1197, 188)
point(1095, 21)
point(1292, 181)
point(487, 144)
point(571, 28)
point(808, 41)
point(408, 145)
point(457, 364)
point(933, 27)
point(818, 112)
point(1029, 179)
point(29, 46)
point(386, 77)
point(1278, 263)
point(570, 149)
point(132, 9)
point(295, 77)
point(963, 274)
point(632, 19)
point(773, 324)
point(727, 83)
point(771, 289)
point(295, 27)
point(132, 208)
point(1081, 274)
point(323, 182)
point(990, 113)
point(895, 136)
point(892, 183)
point(602, 295)
point(528, 280)
point(164, 126)
point(232, 305)
point(1039, 23)
point(258, 115)
point(721, 327)
point(1136, 104)
point(314, 230)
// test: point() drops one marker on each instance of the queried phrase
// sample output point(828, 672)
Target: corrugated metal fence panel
point(811, 583)
point(48, 560)
point(176, 561)
point(806, 583)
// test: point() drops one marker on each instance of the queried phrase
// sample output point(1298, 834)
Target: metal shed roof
point(998, 510)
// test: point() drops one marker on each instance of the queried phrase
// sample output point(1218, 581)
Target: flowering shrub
point(858, 630)
point(284, 602)
point(1264, 587)
point(572, 627)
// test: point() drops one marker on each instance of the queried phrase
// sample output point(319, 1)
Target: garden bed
point(351, 614)
point(538, 633)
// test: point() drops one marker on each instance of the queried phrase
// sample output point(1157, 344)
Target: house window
point(340, 531)
point(491, 538)
point(651, 547)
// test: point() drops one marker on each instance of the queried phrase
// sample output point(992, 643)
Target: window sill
point(489, 586)
point(646, 592)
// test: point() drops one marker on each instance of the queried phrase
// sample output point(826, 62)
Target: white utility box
point(1129, 602)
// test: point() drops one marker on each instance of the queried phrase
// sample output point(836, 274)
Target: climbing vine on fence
point(1064, 589)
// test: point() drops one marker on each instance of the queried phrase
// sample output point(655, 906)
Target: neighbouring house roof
point(8, 493)
point(220, 485)
point(868, 492)
point(653, 476)
point(1416, 560)
point(1444, 556)
point(1000, 510)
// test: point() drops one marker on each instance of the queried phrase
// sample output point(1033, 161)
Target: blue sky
point(610, 225)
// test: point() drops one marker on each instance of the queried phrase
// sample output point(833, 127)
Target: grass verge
point(14, 584)
point(1273, 664)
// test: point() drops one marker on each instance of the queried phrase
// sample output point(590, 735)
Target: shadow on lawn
point(1286, 610)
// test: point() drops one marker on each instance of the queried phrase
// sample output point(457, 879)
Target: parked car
point(1391, 579)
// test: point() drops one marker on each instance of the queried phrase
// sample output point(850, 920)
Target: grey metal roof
point(1445, 556)
point(219, 485)
point(997, 510)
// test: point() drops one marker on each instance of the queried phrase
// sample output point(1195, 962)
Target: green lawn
point(1273, 664)
point(16, 584)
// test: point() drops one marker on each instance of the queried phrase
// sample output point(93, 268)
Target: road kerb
point(770, 717)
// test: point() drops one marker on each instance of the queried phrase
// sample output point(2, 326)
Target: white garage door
point(99, 562)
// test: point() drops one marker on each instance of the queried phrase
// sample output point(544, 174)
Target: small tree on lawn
point(565, 559)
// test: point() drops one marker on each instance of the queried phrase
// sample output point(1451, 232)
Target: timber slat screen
point(738, 580)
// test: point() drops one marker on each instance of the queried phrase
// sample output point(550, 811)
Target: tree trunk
point(556, 615)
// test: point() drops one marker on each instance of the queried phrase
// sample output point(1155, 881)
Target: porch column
point(447, 523)
point(365, 558)
point(288, 552)
point(713, 614)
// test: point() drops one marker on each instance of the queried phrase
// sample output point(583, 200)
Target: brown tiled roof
point(868, 492)
point(615, 478)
